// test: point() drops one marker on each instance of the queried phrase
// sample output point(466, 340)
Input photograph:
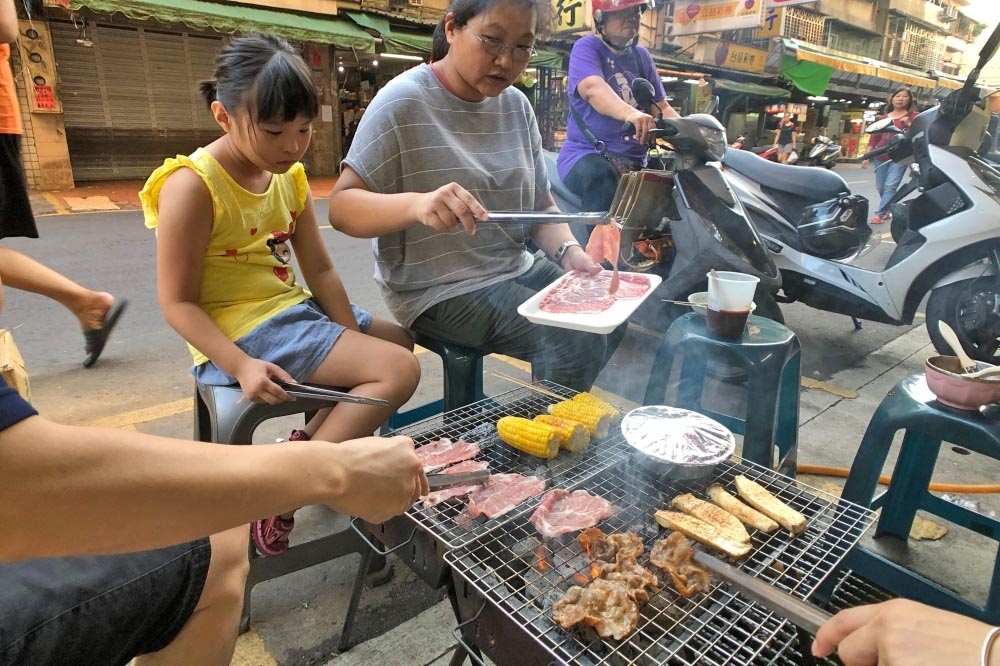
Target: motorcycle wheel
point(972, 309)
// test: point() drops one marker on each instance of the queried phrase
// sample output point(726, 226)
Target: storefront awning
point(910, 79)
point(833, 61)
point(412, 43)
point(757, 89)
point(379, 24)
point(229, 18)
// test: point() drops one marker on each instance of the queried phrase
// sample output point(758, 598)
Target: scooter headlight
point(715, 140)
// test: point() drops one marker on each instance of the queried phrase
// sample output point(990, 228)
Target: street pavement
point(141, 384)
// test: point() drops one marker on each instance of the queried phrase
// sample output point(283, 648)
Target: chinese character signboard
point(771, 25)
point(729, 55)
point(697, 16)
point(786, 3)
point(570, 16)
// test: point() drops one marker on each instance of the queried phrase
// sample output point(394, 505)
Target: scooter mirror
point(881, 125)
point(643, 92)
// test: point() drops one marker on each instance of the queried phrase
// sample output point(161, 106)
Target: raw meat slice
point(561, 512)
point(502, 493)
point(582, 293)
point(442, 452)
point(438, 496)
point(603, 245)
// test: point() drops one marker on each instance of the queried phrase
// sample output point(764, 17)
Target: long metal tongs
point(321, 393)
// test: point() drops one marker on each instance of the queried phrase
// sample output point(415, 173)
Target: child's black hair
point(264, 75)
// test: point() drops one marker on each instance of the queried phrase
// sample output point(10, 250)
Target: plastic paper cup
point(730, 296)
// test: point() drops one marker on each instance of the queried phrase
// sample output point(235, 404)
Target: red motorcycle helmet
point(601, 8)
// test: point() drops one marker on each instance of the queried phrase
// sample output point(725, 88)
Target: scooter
point(692, 225)
point(949, 241)
point(824, 152)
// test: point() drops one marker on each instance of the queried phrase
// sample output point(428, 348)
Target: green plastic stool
point(462, 373)
point(771, 356)
point(910, 406)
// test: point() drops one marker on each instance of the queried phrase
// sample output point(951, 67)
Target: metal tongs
point(439, 481)
point(320, 393)
point(542, 217)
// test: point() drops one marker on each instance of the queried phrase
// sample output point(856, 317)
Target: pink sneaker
point(270, 535)
point(877, 219)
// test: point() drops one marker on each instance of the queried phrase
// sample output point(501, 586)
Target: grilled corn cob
point(573, 435)
point(591, 399)
point(538, 439)
point(594, 420)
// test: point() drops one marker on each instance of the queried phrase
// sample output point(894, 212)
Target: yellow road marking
point(829, 388)
point(136, 416)
point(56, 203)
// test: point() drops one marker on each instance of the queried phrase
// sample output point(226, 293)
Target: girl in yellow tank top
point(228, 219)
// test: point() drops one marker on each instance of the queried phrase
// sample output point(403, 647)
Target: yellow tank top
point(247, 276)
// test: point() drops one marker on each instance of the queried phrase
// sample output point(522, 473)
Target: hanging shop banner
point(721, 53)
point(771, 24)
point(786, 3)
point(570, 16)
point(696, 16)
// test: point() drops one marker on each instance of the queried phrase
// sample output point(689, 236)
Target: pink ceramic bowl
point(946, 380)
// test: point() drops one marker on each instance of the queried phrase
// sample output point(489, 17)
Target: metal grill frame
point(718, 628)
point(567, 470)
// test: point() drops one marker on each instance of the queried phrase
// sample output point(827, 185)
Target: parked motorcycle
point(770, 153)
point(825, 152)
point(697, 224)
point(949, 241)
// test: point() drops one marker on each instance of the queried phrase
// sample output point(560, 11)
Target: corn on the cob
point(596, 421)
point(573, 435)
point(532, 437)
point(591, 399)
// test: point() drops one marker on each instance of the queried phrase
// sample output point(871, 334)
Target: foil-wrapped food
point(677, 436)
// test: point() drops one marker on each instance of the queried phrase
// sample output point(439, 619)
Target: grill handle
point(459, 633)
point(355, 525)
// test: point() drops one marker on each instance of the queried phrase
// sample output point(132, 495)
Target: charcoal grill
point(505, 594)
point(422, 536)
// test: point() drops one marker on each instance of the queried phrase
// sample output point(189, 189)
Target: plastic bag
point(12, 365)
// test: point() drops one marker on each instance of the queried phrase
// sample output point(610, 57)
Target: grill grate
point(717, 628)
point(477, 422)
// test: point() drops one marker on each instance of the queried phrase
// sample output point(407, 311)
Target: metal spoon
point(968, 365)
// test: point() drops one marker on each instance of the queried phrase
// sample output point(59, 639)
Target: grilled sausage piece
point(746, 514)
point(699, 530)
point(761, 499)
point(729, 524)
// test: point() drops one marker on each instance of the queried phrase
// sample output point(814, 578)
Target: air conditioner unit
point(948, 14)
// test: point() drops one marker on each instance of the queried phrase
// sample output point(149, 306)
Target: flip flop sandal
point(96, 338)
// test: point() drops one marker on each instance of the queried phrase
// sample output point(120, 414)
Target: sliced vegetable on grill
point(761, 499)
point(593, 418)
point(573, 435)
point(588, 398)
point(700, 531)
point(533, 437)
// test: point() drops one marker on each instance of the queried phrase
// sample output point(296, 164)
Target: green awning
point(808, 76)
point(379, 24)
point(752, 88)
point(230, 18)
point(411, 43)
point(549, 59)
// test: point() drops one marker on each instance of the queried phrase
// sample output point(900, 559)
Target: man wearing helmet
point(601, 70)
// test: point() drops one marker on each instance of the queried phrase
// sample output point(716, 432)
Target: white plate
point(596, 322)
point(699, 302)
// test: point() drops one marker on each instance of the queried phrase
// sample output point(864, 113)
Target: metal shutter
point(131, 99)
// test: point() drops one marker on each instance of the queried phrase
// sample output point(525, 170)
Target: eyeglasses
point(497, 48)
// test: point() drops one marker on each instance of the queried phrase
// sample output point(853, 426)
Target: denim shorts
point(296, 340)
point(98, 610)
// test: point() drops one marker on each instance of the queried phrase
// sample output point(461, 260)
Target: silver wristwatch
point(558, 256)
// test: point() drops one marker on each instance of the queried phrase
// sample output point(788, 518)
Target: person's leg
point(881, 174)
point(595, 181)
point(783, 154)
point(209, 635)
point(893, 177)
point(22, 272)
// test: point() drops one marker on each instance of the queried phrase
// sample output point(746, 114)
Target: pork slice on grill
point(561, 512)
point(674, 555)
point(438, 496)
point(442, 452)
point(503, 492)
point(604, 605)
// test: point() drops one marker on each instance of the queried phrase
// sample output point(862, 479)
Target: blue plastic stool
point(462, 374)
point(771, 356)
point(911, 407)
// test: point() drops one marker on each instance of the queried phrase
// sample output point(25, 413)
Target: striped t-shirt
point(416, 136)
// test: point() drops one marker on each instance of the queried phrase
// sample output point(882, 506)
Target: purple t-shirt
point(591, 56)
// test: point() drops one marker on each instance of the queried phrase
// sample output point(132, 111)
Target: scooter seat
point(562, 194)
point(811, 184)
